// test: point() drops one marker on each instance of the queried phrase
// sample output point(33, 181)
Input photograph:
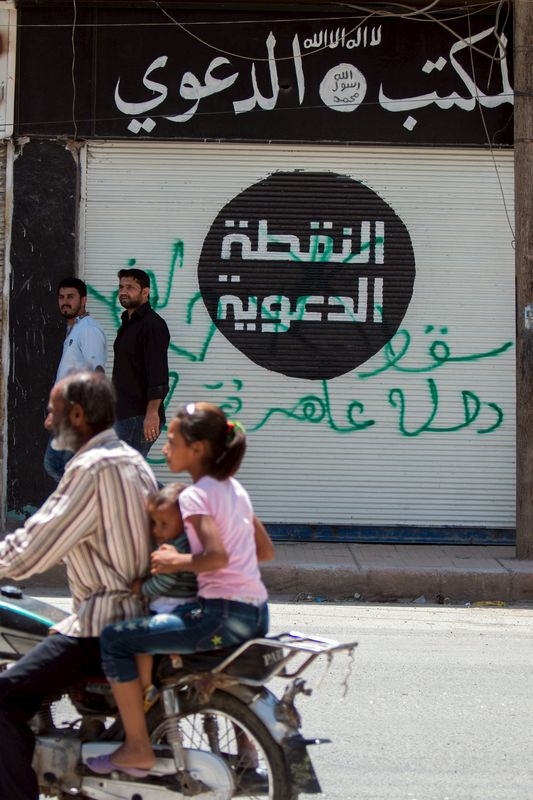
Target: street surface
point(439, 703)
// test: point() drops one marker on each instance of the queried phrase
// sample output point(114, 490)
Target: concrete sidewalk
point(384, 572)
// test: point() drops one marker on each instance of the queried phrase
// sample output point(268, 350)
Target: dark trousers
point(131, 431)
point(54, 664)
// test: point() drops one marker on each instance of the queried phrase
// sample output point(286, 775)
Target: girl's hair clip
point(235, 425)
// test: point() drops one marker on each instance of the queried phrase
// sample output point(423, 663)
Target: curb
point(387, 584)
point(507, 580)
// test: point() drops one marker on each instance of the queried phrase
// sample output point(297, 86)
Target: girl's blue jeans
point(200, 626)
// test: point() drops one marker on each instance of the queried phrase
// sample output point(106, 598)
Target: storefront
point(330, 243)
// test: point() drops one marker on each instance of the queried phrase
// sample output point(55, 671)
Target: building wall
point(370, 357)
point(4, 310)
point(280, 83)
point(43, 250)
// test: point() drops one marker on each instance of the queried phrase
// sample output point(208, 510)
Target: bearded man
point(140, 369)
point(84, 348)
point(96, 522)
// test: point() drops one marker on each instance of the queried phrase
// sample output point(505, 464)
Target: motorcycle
point(218, 731)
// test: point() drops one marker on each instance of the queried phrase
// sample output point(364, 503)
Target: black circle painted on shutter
point(307, 274)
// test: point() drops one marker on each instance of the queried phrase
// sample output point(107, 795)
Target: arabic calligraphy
point(320, 249)
point(329, 38)
point(266, 103)
point(439, 353)
point(306, 254)
point(342, 88)
point(192, 89)
point(277, 314)
point(475, 94)
point(315, 408)
point(232, 404)
point(472, 407)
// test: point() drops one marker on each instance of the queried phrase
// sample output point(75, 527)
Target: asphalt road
point(439, 703)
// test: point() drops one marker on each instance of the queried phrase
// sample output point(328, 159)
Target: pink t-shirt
point(229, 505)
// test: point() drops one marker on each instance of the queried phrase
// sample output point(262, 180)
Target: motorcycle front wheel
point(226, 726)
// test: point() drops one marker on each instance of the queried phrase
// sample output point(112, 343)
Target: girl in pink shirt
point(226, 540)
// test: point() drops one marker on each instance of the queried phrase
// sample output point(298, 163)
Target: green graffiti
point(232, 404)
point(315, 409)
point(201, 354)
point(160, 300)
point(173, 380)
point(439, 353)
point(472, 406)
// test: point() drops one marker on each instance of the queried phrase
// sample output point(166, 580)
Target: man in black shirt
point(140, 369)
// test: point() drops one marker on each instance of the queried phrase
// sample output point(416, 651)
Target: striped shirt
point(96, 522)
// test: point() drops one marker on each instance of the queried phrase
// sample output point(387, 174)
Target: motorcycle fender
point(300, 766)
point(55, 762)
point(266, 707)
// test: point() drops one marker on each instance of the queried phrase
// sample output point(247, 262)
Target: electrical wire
point(408, 14)
point(496, 25)
point(73, 77)
point(485, 128)
point(431, 17)
point(253, 58)
point(414, 14)
point(229, 112)
point(411, 14)
point(479, 9)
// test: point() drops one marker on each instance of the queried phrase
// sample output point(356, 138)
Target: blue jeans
point(55, 461)
point(200, 626)
point(130, 430)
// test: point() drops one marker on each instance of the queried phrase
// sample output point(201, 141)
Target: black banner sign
point(258, 76)
point(307, 274)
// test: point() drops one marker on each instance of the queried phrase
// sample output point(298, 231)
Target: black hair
point(139, 275)
point(73, 283)
point(205, 422)
point(96, 396)
point(168, 495)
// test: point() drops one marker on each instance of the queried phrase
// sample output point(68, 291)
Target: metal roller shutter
point(438, 449)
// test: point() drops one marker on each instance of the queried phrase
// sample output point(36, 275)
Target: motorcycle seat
point(257, 663)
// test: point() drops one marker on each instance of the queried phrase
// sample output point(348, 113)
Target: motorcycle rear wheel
point(216, 727)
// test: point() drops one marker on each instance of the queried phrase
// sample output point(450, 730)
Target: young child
point(164, 593)
point(226, 541)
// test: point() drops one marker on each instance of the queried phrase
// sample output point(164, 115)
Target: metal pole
point(523, 143)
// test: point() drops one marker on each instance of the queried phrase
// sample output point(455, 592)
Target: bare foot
point(132, 755)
